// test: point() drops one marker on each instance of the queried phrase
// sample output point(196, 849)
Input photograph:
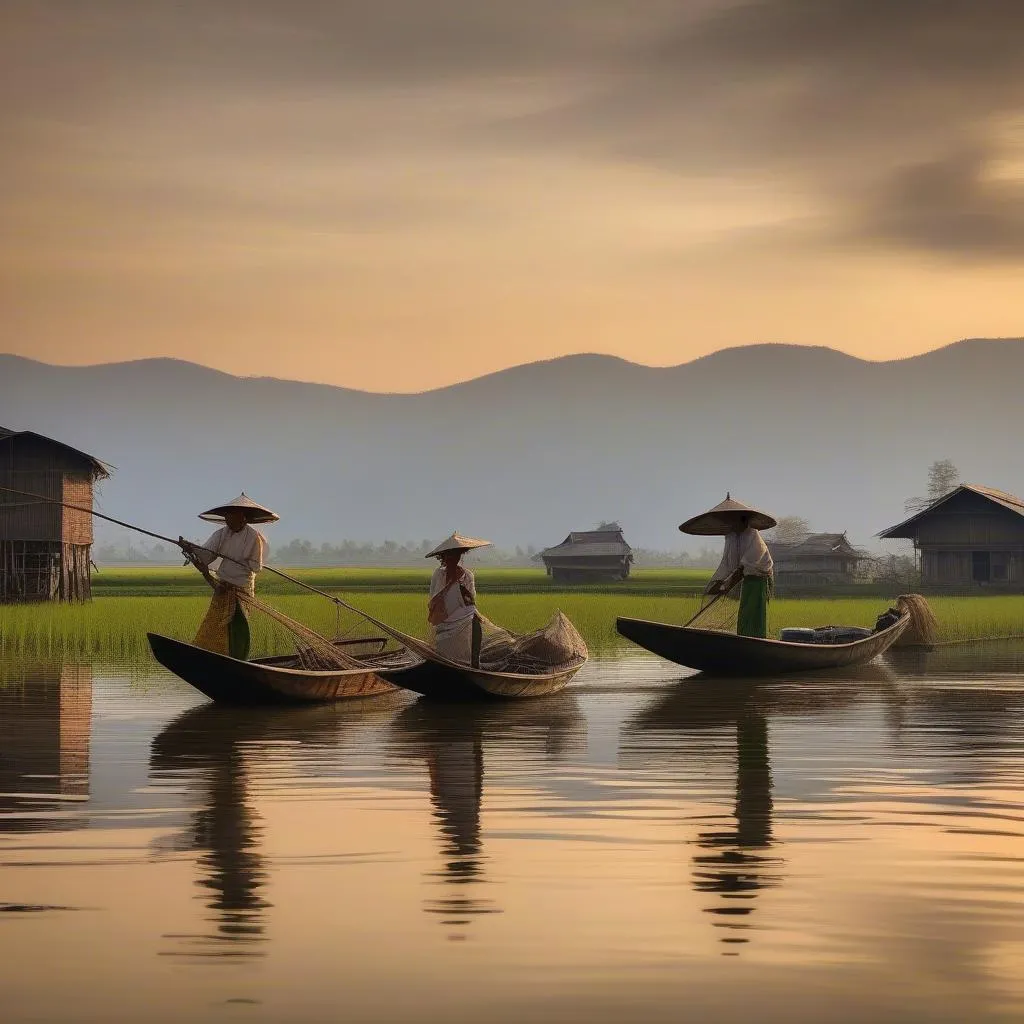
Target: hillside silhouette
point(525, 455)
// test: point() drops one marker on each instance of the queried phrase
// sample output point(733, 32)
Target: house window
point(1000, 566)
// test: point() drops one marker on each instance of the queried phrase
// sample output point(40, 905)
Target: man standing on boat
point(452, 608)
point(241, 550)
point(746, 558)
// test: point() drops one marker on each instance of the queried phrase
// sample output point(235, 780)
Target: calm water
point(638, 848)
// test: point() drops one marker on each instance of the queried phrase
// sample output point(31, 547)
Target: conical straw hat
point(254, 512)
point(721, 519)
point(456, 542)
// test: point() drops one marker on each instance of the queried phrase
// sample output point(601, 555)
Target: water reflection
point(45, 723)
point(732, 862)
point(988, 658)
point(451, 740)
point(206, 746)
point(217, 750)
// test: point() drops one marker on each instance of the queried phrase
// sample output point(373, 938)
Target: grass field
point(112, 629)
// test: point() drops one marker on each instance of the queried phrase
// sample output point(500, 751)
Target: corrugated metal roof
point(1008, 501)
point(99, 468)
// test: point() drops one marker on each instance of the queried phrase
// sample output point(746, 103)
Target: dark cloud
point(952, 205)
point(853, 102)
point(867, 106)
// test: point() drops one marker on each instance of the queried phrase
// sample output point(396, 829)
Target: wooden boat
point(440, 678)
point(281, 680)
point(717, 653)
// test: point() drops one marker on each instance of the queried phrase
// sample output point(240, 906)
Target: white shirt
point(455, 607)
point(247, 546)
point(746, 551)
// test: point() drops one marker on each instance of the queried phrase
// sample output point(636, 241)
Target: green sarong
point(239, 638)
point(753, 612)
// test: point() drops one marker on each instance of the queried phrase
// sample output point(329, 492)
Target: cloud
point(860, 114)
point(846, 101)
point(951, 205)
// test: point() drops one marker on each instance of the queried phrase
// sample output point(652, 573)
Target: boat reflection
point(733, 865)
point(214, 748)
point(990, 658)
point(451, 739)
point(704, 728)
point(45, 723)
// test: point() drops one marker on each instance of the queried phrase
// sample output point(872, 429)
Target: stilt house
point(44, 548)
point(589, 556)
point(972, 537)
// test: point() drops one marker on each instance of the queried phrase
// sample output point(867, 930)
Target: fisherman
point(452, 606)
point(746, 558)
point(241, 551)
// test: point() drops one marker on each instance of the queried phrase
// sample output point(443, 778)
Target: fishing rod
point(396, 634)
point(150, 533)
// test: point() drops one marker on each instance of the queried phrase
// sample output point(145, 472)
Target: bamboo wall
point(77, 526)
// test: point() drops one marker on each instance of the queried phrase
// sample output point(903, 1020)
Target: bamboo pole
point(402, 638)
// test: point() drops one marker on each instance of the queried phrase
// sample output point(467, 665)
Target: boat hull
point(726, 654)
point(439, 679)
point(230, 681)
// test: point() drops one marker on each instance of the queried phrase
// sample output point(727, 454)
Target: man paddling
point(746, 557)
point(241, 550)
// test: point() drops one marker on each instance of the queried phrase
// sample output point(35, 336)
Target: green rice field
point(113, 628)
point(167, 580)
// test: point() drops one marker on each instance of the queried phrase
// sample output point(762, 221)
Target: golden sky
point(401, 194)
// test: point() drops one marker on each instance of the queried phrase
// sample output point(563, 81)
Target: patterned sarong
point(225, 627)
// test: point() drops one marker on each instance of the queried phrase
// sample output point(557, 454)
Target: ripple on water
point(643, 839)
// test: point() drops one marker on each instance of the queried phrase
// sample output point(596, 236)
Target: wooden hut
point(44, 548)
point(819, 560)
point(973, 537)
point(589, 556)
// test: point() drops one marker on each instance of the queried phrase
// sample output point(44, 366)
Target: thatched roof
point(815, 545)
point(905, 531)
point(590, 544)
point(98, 469)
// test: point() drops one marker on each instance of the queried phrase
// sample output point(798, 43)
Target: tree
point(611, 524)
point(789, 530)
point(943, 479)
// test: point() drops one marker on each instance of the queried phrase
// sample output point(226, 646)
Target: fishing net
point(313, 652)
point(554, 646)
point(721, 615)
point(356, 643)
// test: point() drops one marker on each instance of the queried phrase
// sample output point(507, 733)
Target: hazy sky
point(396, 194)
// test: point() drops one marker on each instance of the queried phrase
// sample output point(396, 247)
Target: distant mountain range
point(526, 455)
